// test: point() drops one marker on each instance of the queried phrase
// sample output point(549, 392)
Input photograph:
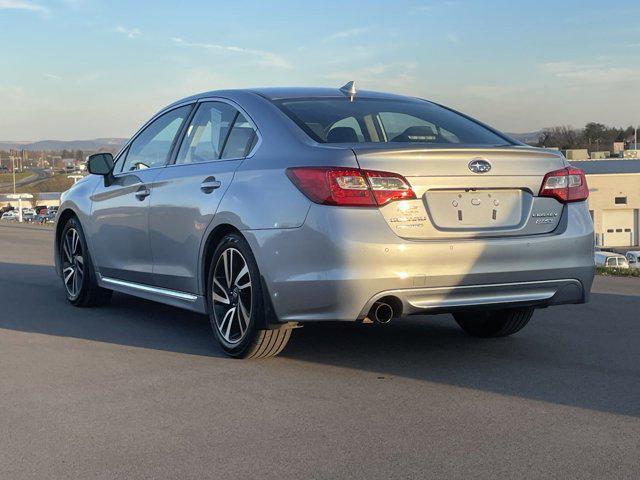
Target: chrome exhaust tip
point(381, 312)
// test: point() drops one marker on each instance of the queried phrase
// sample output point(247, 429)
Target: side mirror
point(100, 164)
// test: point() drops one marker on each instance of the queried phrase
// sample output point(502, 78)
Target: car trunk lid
point(468, 192)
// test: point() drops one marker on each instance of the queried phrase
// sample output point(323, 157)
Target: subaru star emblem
point(479, 166)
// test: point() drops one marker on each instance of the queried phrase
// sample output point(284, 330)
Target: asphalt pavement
point(139, 390)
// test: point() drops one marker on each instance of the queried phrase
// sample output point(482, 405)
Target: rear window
point(366, 120)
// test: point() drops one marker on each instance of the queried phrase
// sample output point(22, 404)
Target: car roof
point(279, 93)
point(609, 254)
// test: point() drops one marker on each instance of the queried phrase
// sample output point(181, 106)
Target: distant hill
point(116, 143)
point(530, 137)
point(95, 144)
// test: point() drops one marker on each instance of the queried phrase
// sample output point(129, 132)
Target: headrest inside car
point(419, 133)
point(342, 135)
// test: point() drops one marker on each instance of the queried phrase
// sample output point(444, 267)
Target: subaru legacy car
point(268, 208)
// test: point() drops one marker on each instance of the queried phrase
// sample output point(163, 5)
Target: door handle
point(209, 184)
point(142, 193)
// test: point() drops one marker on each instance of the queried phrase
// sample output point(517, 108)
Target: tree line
point(594, 137)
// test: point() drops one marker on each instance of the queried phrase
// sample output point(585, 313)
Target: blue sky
point(74, 69)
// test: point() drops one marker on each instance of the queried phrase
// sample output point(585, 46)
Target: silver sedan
point(269, 208)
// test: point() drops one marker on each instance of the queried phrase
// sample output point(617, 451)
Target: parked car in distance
point(45, 217)
point(269, 208)
point(633, 257)
point(610, 260)
point(9, 215)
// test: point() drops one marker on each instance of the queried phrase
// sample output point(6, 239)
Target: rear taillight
point(565, 185)
point(350, 186)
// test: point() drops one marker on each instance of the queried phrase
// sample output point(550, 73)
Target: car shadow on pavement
point(586, 356)
point(37, 304)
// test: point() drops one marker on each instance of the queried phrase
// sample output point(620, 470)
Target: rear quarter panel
point(261, 196)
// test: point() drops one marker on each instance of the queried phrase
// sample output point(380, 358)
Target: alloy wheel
point(231, 294)
point(72, 262)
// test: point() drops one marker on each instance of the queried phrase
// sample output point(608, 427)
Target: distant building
point(577, 154)
point(618, 148)
point(614, 200)
point(56, 162)
point(5, 160)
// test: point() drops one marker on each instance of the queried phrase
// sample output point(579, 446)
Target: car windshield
point(366, 120)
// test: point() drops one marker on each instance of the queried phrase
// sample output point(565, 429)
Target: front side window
point(367, 120)
point(217, 131)
point(152, 147)
point(611, 262)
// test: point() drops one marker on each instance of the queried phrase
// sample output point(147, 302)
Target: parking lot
point(140, 390)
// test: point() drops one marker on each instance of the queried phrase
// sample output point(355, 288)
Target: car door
point(120, 233)
point(187, 193)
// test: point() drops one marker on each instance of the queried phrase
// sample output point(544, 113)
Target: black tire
point(494, 323)
point(86, 292)
point(228, 299)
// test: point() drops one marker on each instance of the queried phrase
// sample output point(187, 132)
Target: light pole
point(13, 168)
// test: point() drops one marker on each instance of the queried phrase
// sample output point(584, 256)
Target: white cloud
point(52, 76)
point(346, 34)
point(593, 73)
point(268, 59)
point(129, 32)
point(394, 77)
point(22, 5)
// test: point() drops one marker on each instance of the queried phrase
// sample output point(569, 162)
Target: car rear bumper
point(342, 260)
point(501, 295)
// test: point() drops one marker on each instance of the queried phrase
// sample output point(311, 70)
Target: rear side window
point(241, 139)
point(367, 120)
point(217, 131)
point(205, 136)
